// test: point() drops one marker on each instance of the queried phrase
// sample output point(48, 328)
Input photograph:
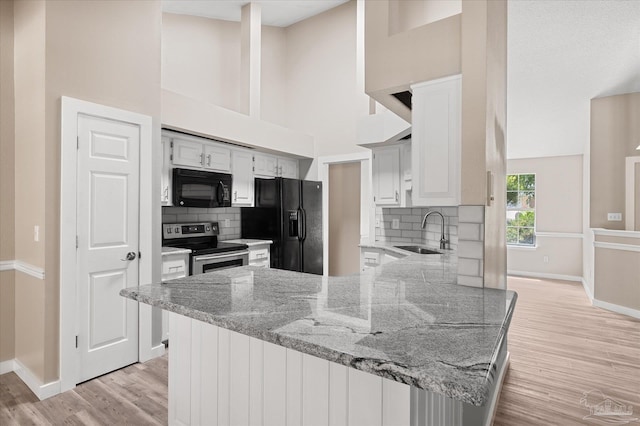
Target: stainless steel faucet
point(443, 240)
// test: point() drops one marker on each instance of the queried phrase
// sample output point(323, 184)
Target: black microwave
point(197, 188)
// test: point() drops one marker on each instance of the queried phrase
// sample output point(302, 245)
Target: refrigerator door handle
point(304, 224)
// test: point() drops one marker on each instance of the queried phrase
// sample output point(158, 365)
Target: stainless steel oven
point(207, 253)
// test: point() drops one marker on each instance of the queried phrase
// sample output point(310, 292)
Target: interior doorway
point(344, 218)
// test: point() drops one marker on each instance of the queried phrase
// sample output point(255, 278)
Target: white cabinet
point(267, 165)
point(259, 255)
point(166, 194)
point(386, 176)
point(175, 264)
point(242, 170)
point(373, 257)
point(190, 152)
point(436, 131)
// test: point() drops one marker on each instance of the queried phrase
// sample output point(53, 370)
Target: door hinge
point(76, 241)
point(76, 342)
point(374, 198)
point(139, 255)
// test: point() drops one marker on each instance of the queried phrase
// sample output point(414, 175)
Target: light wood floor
point(134, 395)
point(560, 347)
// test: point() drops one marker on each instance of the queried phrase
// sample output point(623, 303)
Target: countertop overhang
point(406, 320)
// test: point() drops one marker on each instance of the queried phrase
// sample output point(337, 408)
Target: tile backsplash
point(196, 214)
point(410, 230)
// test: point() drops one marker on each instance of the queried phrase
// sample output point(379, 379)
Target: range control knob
point(177, 230)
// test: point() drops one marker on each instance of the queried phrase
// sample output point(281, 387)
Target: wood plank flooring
point(560, 347)
point(134, 395)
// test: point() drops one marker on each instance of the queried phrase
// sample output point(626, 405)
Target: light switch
point(377, 223)
point(227, 223)
point(614, 217)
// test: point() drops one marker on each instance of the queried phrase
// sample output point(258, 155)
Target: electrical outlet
point(395, 224)
point(377, 223)
point(614, 217)
point(227, 223)
point(545, 259)
point(36, 233)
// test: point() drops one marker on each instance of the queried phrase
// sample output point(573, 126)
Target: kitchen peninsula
point(397, 344)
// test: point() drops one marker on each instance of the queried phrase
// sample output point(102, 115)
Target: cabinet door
point(166, 194)
point(436, 143)
point(265, 165)
point(217, 158)
point(386, 176)
point(187, 153)
point(288, 168)
point(242, 169)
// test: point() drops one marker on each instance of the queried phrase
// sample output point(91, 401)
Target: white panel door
point(386, 176)
point(266, 165)
point(217, 158)
point(288, 168)
point(187, 153)
point(243, 184)
point(107, 255)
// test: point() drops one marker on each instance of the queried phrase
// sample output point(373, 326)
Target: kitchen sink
point(418, 249)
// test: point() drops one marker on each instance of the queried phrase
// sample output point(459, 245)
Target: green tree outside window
point(521, 209)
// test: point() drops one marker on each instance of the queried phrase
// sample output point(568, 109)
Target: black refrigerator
point(289, 212)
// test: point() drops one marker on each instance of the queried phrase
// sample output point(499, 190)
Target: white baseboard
point(41, 390)
point(587, 290)
point(7, 366)
point(545, 276)
point(157, 351)
point(492, 407)
point(616, 308)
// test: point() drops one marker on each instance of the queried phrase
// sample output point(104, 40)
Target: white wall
point(559, 218)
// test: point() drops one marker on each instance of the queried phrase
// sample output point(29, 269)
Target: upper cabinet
point(242, 170)
point(386, 176)
point(435, 144)
point(267, 165)
point(201, 154)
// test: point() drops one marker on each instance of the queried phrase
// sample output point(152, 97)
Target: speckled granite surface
point(405, 320)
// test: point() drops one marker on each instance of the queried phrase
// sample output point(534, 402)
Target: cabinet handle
point(280, 170)
point(235, 195)
point(166, 193)
point(202, 159)
point(396, 196)
point(209, 160)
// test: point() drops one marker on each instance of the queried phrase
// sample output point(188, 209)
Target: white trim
point(364, 158)
point(41, 390)
point(559, 234)
point(518, 247)
point(70, 109)
point(545, 275)
point(7, 265)
point(492, 406)
point(7, 366)
point(587, 290)
point(435, 81)
point(24, 267)
point(616, 308)
point(616, 246)
point(616, 233)
point(630, 189)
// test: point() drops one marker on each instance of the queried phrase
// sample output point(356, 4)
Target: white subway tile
point(182, 218)
point(169, 218)
point(450, 211)
point(471, 249)
point(470, 267)
point(471, 214)
point(411, 218)
point(470, 281)
point(469, 231)
point(412, 234)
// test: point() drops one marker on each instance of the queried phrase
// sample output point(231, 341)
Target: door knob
point(130, 256)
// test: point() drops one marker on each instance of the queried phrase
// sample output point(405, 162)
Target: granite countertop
point(174, 250)
point(250, 242)
point(406, 320)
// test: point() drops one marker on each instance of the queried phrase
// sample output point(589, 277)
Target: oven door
point(216, 262)
point(196, 188)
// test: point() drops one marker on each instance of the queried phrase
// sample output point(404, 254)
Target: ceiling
point(277, 13)
point(561, 54)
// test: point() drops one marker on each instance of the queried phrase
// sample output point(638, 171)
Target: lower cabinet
point(259, 255)
point(374, 257)
point(174, 265)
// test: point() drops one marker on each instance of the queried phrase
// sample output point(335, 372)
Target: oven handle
point(221, 256)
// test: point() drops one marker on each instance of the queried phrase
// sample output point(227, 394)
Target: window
point(521, 209)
